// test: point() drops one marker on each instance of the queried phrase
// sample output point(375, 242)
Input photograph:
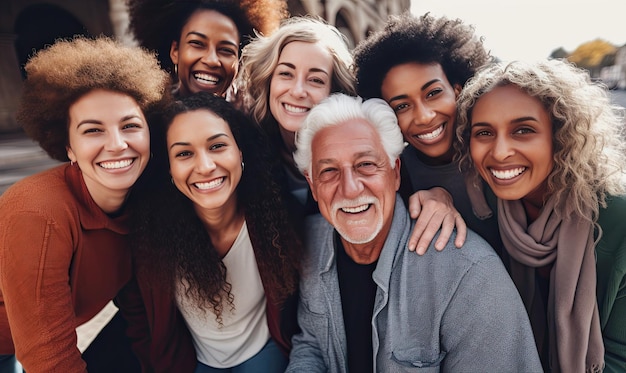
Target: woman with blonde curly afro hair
point(200, 41)
point(551, 146)
point(63, 232)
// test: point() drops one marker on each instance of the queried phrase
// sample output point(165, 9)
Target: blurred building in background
point(29, 25)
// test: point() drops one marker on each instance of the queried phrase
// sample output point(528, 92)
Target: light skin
point(426, 108)
point(205, 165)
point(301, 79)
point(355, 186)
point(109, 140)
point(425, 104)
point(511, 146)
point(207, 53)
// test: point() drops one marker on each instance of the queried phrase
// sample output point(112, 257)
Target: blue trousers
point(269, 360)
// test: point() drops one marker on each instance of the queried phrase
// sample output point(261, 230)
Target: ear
point(174, 52)
point(397, 174)
point(311, 186)
point(457, 90)
point(70, 154)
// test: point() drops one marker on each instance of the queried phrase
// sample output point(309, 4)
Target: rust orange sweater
point(61, 260)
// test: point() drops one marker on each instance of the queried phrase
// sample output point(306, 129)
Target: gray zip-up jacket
point(451, 311)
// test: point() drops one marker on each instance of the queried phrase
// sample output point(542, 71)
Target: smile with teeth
point(431, 135)
point(356, 209)
point(295, 109)
point(507, 174)
point(112, 165)
point(211, 184)
point(206, 78)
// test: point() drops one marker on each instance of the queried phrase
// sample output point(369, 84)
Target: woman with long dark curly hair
point(199, 41)
point(217, 255)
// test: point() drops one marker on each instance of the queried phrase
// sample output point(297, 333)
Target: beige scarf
point(575, 338)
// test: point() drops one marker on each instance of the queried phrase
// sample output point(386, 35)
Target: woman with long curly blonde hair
point(551, 146)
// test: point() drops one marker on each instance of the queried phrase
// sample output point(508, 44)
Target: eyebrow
point(99, 122)
point(426, 85)
point(203, 36)
point(514, 121)
point(210, 138)
point(313, 69)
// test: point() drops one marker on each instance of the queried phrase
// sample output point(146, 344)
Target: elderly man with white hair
point(366, 303)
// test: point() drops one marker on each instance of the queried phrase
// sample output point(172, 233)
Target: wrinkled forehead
point(346, 141)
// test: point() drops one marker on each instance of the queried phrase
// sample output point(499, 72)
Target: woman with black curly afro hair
point(419, 66)
point(199, 41)
point(216, 253)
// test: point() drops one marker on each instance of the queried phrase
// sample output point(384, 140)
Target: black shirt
point(358, 293)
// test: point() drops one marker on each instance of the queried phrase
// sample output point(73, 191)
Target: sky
point(532, 29)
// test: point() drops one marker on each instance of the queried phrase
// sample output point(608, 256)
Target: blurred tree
point(559, 53)
point(590, 55)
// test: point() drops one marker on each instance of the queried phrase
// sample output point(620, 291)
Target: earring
point(72, 162)
point(176, 69)
point(243, 166)
point(172, 180)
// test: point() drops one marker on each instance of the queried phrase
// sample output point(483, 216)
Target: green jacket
point(611, 286)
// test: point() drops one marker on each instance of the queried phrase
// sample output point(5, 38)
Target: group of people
point(248, 192)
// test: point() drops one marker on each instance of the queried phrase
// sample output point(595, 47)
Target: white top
point(244, 329)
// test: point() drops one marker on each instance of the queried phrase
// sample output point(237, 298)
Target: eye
point(284, 73)
point(217, 146)
point(229, 51)
point(131, 125)
point(92, 130)
point(367, 167)
point(434, 92)
point(523, 131)
point(317, 80)
point(327, 173)
point(183, 154)
point(195, 43)
point(481, 133)
point(400, 107)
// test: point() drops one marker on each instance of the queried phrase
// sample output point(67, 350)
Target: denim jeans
point(269, 360)
point(8, 364)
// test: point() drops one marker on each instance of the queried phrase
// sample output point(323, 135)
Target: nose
point(423, 114)
point(298, 88)
point(210, 57)
point(502, 148)
point(115, 141)
point(351, 185)
point(204, 163)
